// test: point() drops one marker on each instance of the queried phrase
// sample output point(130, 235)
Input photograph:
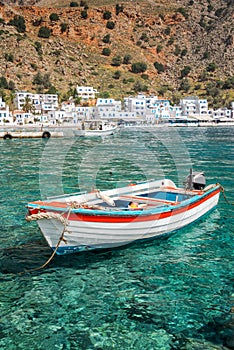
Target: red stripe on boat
point(139, 218)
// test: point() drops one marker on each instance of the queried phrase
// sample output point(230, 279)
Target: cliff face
point(187, 47)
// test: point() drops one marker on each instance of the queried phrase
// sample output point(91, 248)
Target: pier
point(22, 133)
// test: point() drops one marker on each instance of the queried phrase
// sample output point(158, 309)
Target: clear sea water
point(165, 294)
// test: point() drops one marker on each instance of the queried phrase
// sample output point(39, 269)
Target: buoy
point(46, 135)
point(7, 136)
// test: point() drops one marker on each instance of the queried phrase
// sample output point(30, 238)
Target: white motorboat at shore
point(95, 128)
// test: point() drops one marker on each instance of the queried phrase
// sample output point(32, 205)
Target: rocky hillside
point(170, 48)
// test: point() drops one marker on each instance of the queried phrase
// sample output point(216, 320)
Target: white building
point(86, 92)
point(221, 113)
point(42, 103)
point(4, 113)
point(107, 108)
point(192, 105)
point(5, 116)
point(136, 104)
point(57, 117)
point(161, 109)
point(68, 106)
point(82, 112)
point(22, 118)
point(175, 111)
point(149, 107)
point(2, 103)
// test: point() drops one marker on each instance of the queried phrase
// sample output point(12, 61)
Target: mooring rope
point(224, 195)
point(63, 220)
point(47, 215)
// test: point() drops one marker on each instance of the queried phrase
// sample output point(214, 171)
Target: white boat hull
point(95, 133)
point(87, 232)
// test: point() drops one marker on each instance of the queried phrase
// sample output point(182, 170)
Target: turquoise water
point(174, 293)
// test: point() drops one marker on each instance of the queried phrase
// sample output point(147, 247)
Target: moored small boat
point(95, 129)
point(117, 217)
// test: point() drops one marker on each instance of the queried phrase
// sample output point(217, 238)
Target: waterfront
point(164, 294)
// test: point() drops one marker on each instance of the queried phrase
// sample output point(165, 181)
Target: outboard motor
point(195, 180)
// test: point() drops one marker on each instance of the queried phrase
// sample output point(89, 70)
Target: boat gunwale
point(114, 211)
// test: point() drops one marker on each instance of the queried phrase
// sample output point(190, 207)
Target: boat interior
point(138, 197)
point(147, 200)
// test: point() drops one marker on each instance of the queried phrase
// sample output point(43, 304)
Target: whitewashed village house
point(5, 116)
point(86, 92)
point(192, 105)
point(41, 105)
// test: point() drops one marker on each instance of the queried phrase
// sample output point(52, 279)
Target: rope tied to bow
point(222, 190)
point(51, 215)
point(47, 215)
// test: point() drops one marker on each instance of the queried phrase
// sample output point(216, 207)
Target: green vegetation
point(206, 55)
point(107, 15)
point(171, 40)
point(63, 27)
point(11, 85)
point(117, 74)
point(159, 48)
point(34, 66)
point(37, 22)
point(139, 67)
point(185, 71)
point(28, 106)
point(139, 87)
point(144, 37)
point(84, 14)
point(229, 83)
point(38, 47)
point(127, 58)
point(3, 83)
point(159, 66)
point(110, 25)
point(44, 32)
point(118, 9)
point(183, 52)
point(177, 50)
point(106, 39)
point(84, 4)
point(19, 23)
point(52, 90)
point(211, 67)
point(106, 51)
point(185, 85)
point(54, 17)
point(145, 76)
point(183, 11)
point(219, 12)
point(9, 57)
point(74, 4)
point(116, 61)
point(42, 81)
point(167, 31)
point(104, 94)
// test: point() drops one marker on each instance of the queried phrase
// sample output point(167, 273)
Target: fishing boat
point(113, 218)
point(95, 128)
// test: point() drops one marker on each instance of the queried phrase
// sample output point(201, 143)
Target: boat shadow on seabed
point(31, 257)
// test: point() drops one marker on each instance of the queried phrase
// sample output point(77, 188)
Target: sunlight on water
point(174, 293)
